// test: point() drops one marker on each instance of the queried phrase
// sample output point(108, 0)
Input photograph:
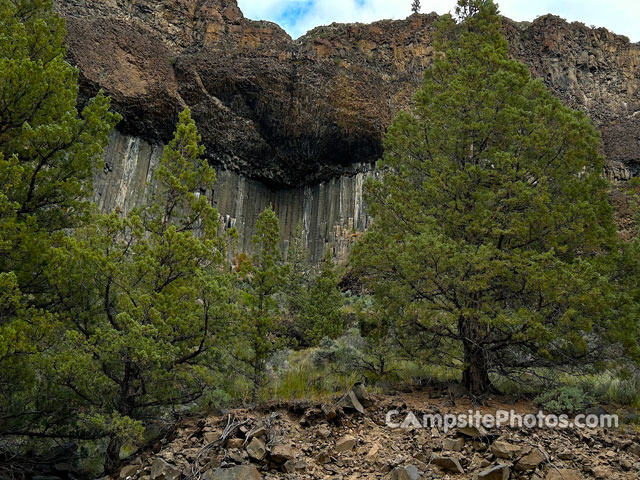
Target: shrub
point(570, 400)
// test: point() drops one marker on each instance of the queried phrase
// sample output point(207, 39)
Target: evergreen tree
point(415, 6)
point(260, 330)
point(55, 149)
point(312, 295)
point(492, 216)
point(143, 299)
point(47, 156)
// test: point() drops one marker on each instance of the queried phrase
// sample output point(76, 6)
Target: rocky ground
point(349, 440)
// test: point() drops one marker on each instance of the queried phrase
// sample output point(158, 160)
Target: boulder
point(241, 472)
point(345, 444)
point(257, 449)
point(162, 470)
point(282, 453)
point(350, 402)
point(504, 450)
point(499, 472)
point(531, 461)
point(449, 464)
point(362, 395)
point(563, 474)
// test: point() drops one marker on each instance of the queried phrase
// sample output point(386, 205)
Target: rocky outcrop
point(290, 112)
point(285, 116)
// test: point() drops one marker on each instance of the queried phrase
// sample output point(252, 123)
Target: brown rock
point(257, 449)
point(531, 461)
point(372, 455)
point(282, 453)
point(634, 448)
point(449, 464)
point(241, 472)
point(499, 472)
point(453, 444)
point(563, 474)
point(235, 443)
point(472, 432)
point(211, 437)
point(129, 471)
point(504, 450)
point(345, 444)
point(162, 470)
point(330, 412)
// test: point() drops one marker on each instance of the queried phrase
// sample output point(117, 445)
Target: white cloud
point(299, 16)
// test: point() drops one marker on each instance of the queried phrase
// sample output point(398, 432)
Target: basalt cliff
point(299, 123)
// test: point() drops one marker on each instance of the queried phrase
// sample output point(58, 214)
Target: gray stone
point(362, 395)
point(350, 401)
point(405, 473)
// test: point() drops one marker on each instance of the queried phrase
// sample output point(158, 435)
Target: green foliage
point(41, 131)
point(313, 297)
point(47, 156)
point(492, 216)
point(570, 400)
point(259, 331)
point(144, 299)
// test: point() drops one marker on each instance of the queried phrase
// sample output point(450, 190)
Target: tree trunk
point(112, 456)
point(476, 373)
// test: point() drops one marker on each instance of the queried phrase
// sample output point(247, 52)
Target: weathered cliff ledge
point(298, 112)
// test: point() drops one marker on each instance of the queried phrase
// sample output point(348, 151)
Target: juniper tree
point(143, 299)
point(415, 6)
point(491, 219)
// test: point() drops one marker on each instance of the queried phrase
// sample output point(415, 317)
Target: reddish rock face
point(291, 112)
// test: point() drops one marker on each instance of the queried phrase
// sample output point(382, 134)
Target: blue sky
point(299, 16)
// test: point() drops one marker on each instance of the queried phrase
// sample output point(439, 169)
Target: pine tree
point(415, 6)
point(47, 156)
point(259, 332)
point(492, 217)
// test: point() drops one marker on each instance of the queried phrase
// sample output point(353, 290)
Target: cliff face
point(284, 115)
